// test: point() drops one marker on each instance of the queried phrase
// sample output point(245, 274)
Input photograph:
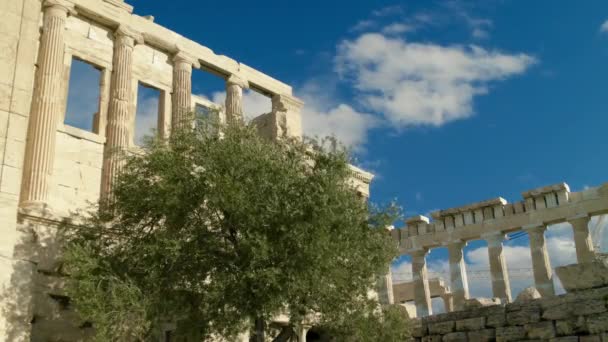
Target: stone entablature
point(543, 206)
point(114, 13)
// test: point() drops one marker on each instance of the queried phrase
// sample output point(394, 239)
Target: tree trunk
point(259, 330)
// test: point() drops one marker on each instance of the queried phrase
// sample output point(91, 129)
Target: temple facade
point(49, 168)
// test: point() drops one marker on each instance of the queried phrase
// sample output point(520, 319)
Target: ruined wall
point(575, 316)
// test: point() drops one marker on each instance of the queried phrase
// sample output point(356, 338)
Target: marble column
point(234, 99)
point(540, 260)
point(119, 111)
point(501, 287)
point(384, 288)
point(181, 99)
point(448, 302)
point(46, 107)
point(582, 239)
point(422, 295)
point(301, 331)
point(458, 277)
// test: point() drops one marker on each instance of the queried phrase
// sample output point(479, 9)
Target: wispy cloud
point(397, 28)
point(388, 11)
point(363, 25)
point(604, 27)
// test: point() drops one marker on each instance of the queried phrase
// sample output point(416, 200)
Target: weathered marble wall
point(572, 317)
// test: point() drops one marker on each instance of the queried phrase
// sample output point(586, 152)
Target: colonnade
point(501, 287)
point(47, 100)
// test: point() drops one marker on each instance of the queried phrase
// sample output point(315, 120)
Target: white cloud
point(397, 28)
point(604, 27)
point(146, 118)
point(422, 83)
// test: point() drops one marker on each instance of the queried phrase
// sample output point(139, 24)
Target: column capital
point(419, 253)
point(581, 220)
point(133, 36)
point(494, 238)
point(537, 228)
point(58, 6)
point(184, 57)
point(238, 81)
point(456, 245)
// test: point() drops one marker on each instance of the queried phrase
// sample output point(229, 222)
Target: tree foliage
point(219, 228)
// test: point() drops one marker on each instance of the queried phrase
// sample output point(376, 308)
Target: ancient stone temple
point(49, 168)
point(537, 314)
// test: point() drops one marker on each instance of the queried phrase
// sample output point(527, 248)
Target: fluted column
point(501, 287)
point(46, 107)
point(234, 99)
point(181, 99)
point(458, 277)
point(540, 260)
point(582, 238)
point(119, 113)
point(422, 295)
point(384, 288)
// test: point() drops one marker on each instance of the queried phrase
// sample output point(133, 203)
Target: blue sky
point(447, 102)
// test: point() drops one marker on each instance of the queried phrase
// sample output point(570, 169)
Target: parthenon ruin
point(491, 220)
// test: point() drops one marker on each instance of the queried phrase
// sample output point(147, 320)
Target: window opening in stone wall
point(208, 86)
point(83, 95)
point(202, 111)
point(147, 113)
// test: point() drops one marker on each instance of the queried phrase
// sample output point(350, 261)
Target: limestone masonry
point(49, 169)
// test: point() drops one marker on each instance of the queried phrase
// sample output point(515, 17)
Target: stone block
point(432, 338)
point(575, 308)
point(14, 153)
point(527, 295)
point(441, 328)
point(496, 320)
point(419, 330)
point(570, 326)
point(541, 330)
point(11, 180)
point(3, 123)
point(21, 101)
point(485, 335)
point(455, 337)
point(590, 338)
point(565, 339)
point(584, 276)
point(526, 314)
point(471, 324)
point(476, 303)
point(506, 334)
point(597, 323)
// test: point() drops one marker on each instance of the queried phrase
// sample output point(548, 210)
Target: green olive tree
point(218, 229)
